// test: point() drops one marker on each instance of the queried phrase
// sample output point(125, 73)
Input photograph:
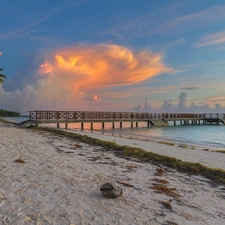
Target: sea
point(203, 134)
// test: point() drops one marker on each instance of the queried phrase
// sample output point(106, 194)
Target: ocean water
point(207, 135)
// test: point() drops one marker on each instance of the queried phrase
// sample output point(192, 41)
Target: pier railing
point(88, 115)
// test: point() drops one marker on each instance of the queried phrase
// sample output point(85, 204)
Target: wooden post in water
point(57, 125)
point(113, 125)
point(103, 125)
point(174, 122)
point(121, 125)
point(131, 124)
point(82, 125)
point(91, 125)
point(136, 124)
point(66, 125)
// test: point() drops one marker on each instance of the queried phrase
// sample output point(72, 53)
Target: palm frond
point(2, 76)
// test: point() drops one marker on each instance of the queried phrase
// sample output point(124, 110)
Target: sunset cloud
point(45, 69)
point(103, 65)
point(80, 78)
point(0, 53)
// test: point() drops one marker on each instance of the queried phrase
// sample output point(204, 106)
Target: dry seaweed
point(161, 181)
point(162, 189)
point(19, 161)
point(216, 175)
point(167, 205)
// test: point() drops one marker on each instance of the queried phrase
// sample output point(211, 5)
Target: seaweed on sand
point(215, 174)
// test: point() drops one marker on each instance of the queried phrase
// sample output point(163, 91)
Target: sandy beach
point(59, 181)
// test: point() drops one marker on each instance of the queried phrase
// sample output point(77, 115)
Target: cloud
point(80, 77)
point(0, 53)
point(200, 18)
point(212, 104)
point(189, 88)
point(213, 39)
point(105, 65)
point(45, 70)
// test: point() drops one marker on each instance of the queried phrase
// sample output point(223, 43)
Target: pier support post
point(148, 124)
point(103, 125)
point(91, 125)
point(113, 125)
point(131, 124)
point(82, 126)
point(66, 125)
point(181, 122)
point(121, 125)
point(136, 124)
point(174, 122)
point(57, 125)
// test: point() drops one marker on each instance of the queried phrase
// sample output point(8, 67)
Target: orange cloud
point(73, 75)
point(0, 53)
point(104, 65)
point(95, 99)
point(45, 69)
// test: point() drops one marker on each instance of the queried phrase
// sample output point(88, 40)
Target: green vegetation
point(216, 175)
point(7, 113)
point(183, 146)
point(166, 143)
point(220, 151)
point(2, 76)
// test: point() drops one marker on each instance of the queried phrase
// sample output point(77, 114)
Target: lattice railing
point(88, 115)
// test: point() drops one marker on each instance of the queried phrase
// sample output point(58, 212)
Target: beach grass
point(214, 174)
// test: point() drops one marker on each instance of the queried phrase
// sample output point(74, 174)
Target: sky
point(113, 55)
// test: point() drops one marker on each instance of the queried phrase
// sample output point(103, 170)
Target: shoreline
point(59, 182)
point(144, 138)
point(184, 151)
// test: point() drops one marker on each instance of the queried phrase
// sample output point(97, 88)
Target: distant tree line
point(7, 113)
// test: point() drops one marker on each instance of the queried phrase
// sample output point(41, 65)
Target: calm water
point(209, 135)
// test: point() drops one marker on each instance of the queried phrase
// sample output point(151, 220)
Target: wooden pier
point(151, 119)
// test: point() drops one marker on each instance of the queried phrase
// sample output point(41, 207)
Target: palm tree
point(2, 77)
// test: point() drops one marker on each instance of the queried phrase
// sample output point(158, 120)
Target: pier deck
point(151, 119)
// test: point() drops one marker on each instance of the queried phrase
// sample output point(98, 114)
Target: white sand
point(60, 180)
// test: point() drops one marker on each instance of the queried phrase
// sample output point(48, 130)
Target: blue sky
point(111, 55)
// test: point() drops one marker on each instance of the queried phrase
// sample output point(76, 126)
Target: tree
point(2, 76)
